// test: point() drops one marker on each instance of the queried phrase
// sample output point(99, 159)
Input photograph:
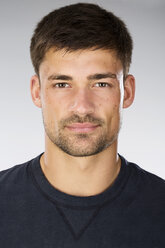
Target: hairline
point(70, 50)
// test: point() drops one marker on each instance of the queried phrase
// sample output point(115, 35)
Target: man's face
point(81, 99)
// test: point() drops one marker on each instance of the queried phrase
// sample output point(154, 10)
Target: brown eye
point(61, 85)
point(102, 85)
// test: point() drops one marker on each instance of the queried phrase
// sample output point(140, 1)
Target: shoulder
point(148, 186)
point(136, 169)
point(12, 180)
point(15, 177)
point(147, 176)
point(13, 172)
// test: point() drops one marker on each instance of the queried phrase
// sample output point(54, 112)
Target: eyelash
point(103, 83)
point(57, 85)
point(61, 85)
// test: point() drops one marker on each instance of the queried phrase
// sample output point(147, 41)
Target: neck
point(80, 176)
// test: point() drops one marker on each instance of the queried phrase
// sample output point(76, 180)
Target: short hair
point(81, 26)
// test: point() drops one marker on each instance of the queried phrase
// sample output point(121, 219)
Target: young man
point(80, 192)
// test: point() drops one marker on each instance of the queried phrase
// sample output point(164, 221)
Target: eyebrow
point(101, 75)
point(90, 77)
point(59, 77)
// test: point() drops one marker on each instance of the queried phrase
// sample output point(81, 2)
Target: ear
point(35, 90)
point(129, 91)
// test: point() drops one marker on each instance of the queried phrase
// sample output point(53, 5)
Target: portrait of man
point(81, 192)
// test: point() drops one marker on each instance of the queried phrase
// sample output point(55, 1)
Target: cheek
point(50, 107)
point(112, 103)
point(112, 110)
point(107, 102)
point(50, 101)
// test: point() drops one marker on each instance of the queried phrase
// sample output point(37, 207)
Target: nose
point(82, 102)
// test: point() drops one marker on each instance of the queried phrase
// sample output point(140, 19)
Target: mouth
point(82, 127)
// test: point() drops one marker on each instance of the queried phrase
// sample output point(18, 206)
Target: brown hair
point(81, 26)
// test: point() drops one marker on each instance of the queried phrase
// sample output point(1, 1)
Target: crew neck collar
point(67, 200)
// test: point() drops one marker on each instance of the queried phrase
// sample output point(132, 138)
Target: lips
point(82, 127)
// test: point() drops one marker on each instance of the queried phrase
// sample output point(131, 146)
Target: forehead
point(80, 61)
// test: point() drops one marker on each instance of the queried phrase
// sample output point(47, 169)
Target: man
point(80, 192)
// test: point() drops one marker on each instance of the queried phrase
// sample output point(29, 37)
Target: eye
point(61, 85)
point(102, 85)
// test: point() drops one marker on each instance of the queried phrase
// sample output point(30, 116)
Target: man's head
point(80, 54)
point(81, 26)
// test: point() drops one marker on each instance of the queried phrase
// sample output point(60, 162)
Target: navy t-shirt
point(33, 214)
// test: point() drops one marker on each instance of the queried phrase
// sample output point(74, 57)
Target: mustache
point(77, 119)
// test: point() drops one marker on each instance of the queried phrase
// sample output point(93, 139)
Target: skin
point(82, 115)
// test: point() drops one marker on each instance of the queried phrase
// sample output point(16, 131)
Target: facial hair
point(80, 144)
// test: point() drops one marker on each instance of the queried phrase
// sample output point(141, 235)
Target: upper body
point(81, 55)
point(33, 214)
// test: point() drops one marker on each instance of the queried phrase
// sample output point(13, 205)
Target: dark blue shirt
point(33, 214)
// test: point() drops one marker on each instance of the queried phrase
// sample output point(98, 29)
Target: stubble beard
point(80, 144)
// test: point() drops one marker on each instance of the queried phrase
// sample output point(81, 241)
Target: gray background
point(142, 138)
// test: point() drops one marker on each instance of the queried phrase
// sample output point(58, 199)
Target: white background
point(142, 137)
